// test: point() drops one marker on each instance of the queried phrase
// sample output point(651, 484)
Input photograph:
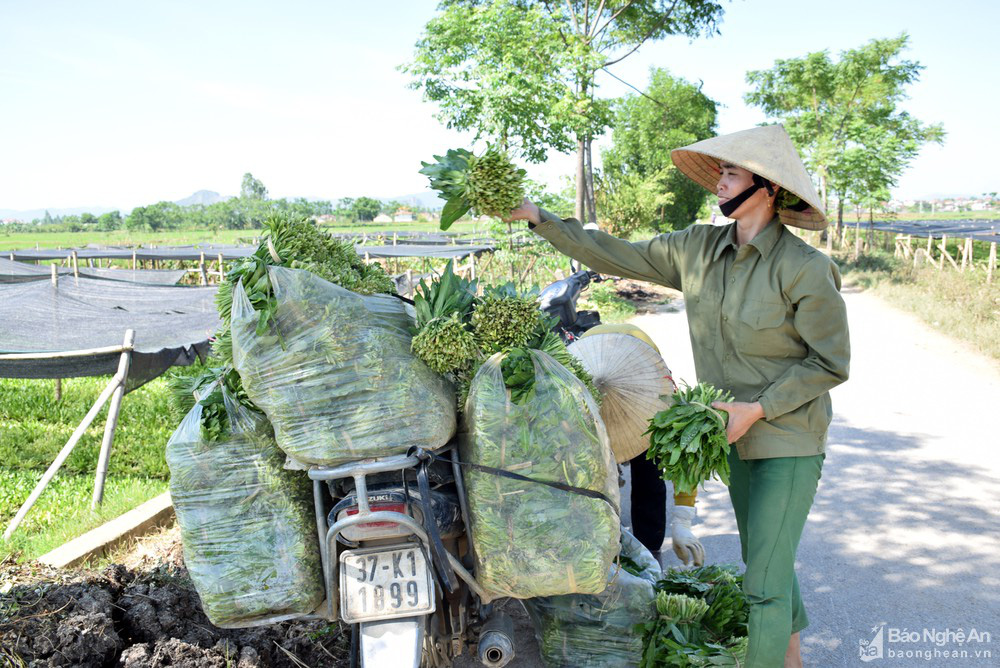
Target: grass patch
point(63, 511)
point(959, 304)
point(34, 427)
point(603, 298)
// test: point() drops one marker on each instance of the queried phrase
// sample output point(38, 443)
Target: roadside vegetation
point(961, 305)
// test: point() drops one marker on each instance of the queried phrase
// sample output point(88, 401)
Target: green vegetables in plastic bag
point(530, 539)
point(334, 373)
point(600, 630)
point(247, 525)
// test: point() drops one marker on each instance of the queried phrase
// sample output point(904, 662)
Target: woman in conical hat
point(767, 323)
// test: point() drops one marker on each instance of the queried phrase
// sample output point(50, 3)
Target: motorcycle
point(395, 550)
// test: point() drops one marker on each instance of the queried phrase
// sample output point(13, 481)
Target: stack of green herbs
point(688, 440)
point(600, 630)
point(247, 525)
point(701, 619)
point(530, 539)
point(333, 371)
point(488, 184)
point(290, 242)
point(456, 330)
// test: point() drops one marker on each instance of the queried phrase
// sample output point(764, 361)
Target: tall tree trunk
point(581, 179)
point(589, 175)
point(840, 217)
point(822, 188)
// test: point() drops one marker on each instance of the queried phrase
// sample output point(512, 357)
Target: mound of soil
point(145, 619)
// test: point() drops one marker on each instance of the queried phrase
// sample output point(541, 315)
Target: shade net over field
point(19, 272)
point(194, 253)
point(977, 230)
point(172, 326)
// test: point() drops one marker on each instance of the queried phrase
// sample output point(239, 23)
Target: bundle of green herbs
point(688, 440)
point(456, 329)
point(600, 630)
point(333, 372)
point(528, 414)
point(247, 525)
point(701, 619)
point(488, 184)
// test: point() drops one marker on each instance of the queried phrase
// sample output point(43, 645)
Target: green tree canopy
point(671, 113)
point(366, 208)
point(843, 115)
point(252, 188)
point(524, 71)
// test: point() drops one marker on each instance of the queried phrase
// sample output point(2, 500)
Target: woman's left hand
point(742, 415)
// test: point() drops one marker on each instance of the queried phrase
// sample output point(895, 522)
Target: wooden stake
point(944, 251)
point(966, 252)
point(63, 455)
point(109, 427)
point(992, 265)
point(222, 271)
point(76, 265)
point(203, 273)
point(58, 389)
point(55, 276)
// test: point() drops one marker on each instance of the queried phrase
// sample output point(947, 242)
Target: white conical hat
point(767, 151)
point(635, 384)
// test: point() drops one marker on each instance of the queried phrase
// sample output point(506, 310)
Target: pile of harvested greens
point(488, 184)
point(334, 374)
point(456, 330)
point(600, 630)
point(688, 440)
point(701, 619)
point(247, 525)
point(531, 539)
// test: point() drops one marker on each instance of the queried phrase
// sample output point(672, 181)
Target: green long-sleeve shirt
point(767, 321)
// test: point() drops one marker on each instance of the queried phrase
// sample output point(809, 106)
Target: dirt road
point(903, 537)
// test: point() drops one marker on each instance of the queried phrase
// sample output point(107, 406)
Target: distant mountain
point(425, 200)
point(203, 197)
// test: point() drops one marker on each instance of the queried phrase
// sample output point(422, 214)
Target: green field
point(34, 427)
point(23, 240)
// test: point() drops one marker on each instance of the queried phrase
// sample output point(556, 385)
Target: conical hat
point(767, 151)
point(635, 384)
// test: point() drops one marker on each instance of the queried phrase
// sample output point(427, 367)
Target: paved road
point(905, 530)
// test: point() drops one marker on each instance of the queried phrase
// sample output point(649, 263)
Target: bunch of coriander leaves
point(488, 184)
point(701, 619)
point(688, 440)
point(457, 330)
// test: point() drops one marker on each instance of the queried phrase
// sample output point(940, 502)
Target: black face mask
point(729, 208)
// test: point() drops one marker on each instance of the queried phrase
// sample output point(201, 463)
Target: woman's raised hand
point(527, 211)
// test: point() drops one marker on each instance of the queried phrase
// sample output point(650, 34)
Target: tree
point(252, 188)
point(528, 68)
point(836, 112)
point(366, 208)
point(670, 113)
point(109, 221)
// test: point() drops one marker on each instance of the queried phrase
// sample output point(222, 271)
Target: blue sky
point(120, 104)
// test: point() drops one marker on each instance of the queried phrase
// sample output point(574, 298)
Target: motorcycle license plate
point(384, 583)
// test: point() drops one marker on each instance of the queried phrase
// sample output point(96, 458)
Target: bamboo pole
point(58, 389)
point(992, 265)
point(124, 362)
point(107, 350)
point(203, 273)
point(55, 276)
point(76, 265)
point(472, 266)
point(944, 251)
point(222, 269)
point(63, 455)
point(966, 252)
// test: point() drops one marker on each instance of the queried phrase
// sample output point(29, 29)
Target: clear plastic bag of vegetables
point(529, 415)
point(599, 630)
point(248, 526)
point(334, 374)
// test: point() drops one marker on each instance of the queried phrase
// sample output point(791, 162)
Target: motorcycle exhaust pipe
point(496, 641)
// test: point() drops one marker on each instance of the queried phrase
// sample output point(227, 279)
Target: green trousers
point(772, 498)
